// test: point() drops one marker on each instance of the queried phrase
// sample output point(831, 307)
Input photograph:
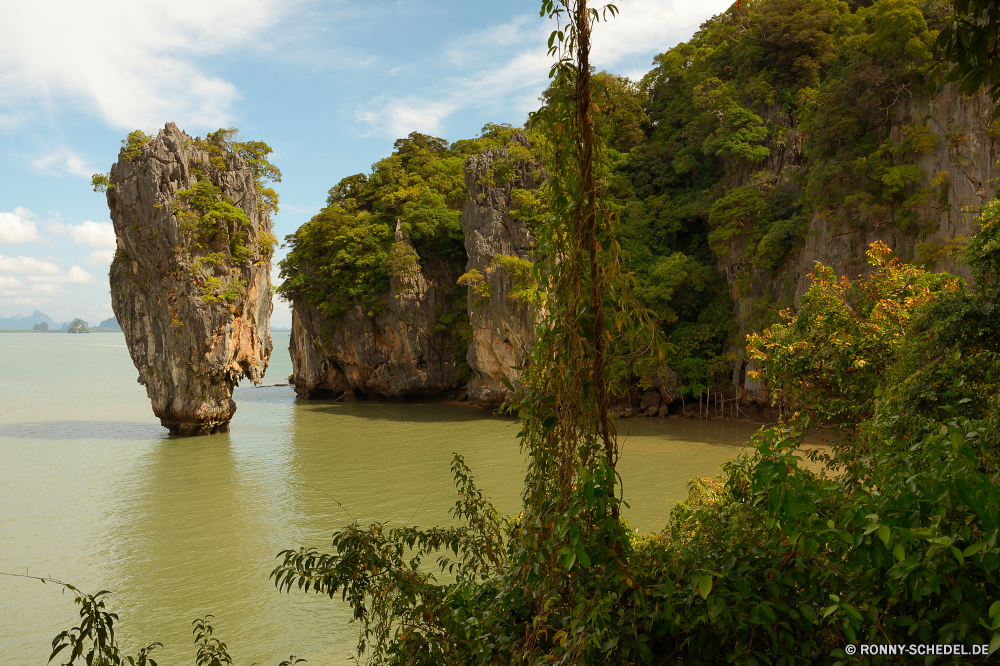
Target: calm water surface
point(94, 492)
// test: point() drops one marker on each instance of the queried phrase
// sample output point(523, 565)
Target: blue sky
point(329, 85)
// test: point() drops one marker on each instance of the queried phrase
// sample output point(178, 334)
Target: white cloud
point(132, 62)
point(74, 275)
point(98, 235)
point(16, 298)
point(508, 62)
point(18, 227)
point(650, 25)
point(398, 118)
point(58, 161)
point(27, 266)
point(99, 258)
point(43, 277)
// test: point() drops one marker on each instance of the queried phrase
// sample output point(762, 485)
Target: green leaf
point(705, 586)
point(995, 643)
point(853, 612)
point(809, 612)
point(973, 549)
point(995, 609)
point(958, 555)
point(898, 552)
point(884, 533)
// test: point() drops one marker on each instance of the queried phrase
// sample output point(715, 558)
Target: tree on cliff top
point(970, 43)
point(343, 255)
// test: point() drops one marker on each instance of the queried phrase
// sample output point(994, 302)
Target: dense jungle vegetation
point(772, 111)
point(894, 543)
point(716, 159)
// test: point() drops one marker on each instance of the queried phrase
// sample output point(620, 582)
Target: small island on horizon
point(39, 322)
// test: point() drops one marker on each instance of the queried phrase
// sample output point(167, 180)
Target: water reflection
point(95, 492)
point(78, 429)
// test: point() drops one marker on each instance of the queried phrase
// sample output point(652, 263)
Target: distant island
point(22, 323)
point(39, 322)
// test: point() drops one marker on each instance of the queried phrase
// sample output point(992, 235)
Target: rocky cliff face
point(398, 353)
point(190, 282)
point(502, 327)
point(960, 176)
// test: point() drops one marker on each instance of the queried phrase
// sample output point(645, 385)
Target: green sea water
point(94, 492)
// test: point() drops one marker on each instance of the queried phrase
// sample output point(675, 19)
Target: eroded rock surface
point(191, 290)
point(502, 328)
point(394, 354)
point(960, 176)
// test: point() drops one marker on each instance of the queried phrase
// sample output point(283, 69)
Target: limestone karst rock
point(78, 326)
point(960, 175)
point(403, 351)
point(190, 281)
point(502, 328)
point(393, 354)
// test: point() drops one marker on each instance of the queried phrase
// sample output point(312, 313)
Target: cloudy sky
point(329, 85)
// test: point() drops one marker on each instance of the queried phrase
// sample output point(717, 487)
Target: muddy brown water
point(94, 492)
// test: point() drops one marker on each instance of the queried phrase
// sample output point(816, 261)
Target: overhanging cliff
point(190, 281)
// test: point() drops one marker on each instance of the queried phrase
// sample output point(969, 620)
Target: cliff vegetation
point(895, 541)
point(776, 123)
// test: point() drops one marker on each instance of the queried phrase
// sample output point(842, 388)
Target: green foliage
point(528, 206)
point(101, 182)
point(93, 640)
point(968, 42)
point(268, 243)
point(622, 120)
point(217, 290)
point(336, 260)
point(505, 169)
point(829, 358)
point(776, 561)
point(984, 249)
point(883, 51)
point(402, 262)
point(736, 212)
point(133, 144)
point(524, 288)
point(477, 283)
point(659, 288)
point(212, 216)
point(740, 134)
point(220, 143)
point(345, 254)
point(210, 650)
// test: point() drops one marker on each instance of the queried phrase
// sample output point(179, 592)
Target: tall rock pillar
point(502, 328)
point(190, 281)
